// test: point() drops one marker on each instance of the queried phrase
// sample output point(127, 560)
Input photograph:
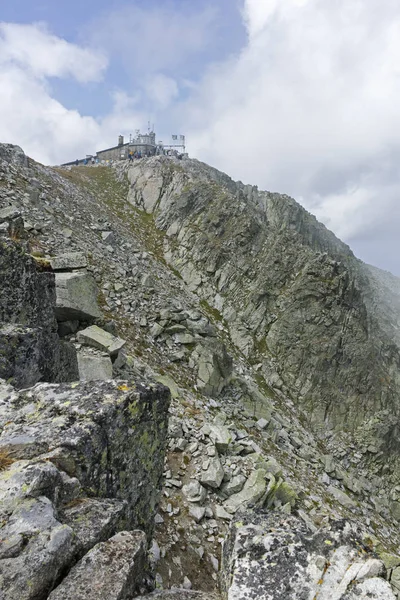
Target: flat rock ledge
point(79, 462)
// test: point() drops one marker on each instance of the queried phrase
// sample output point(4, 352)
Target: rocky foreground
point(198, 396)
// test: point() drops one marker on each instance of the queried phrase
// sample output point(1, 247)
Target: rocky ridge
point(266, 359)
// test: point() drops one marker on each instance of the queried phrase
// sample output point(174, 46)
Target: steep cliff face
point(31, 350)
point(295, 298)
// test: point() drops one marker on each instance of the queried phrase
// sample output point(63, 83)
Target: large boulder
point(30, 350)
point(102, 340)
point(76, 297)
point(112, 570)
point(94, 367)
point(214, 366)
point(80, 461)
point(276, 557)
point(68, 261)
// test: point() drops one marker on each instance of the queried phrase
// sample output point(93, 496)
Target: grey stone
point(214, 474)
point(178, 594)
point(31, 570)
point(233, 486)
point(93, 367)
point(8, 213)
point(93, 520)
point(76, 297)
point(214, 368)
point(112, 570)
point(326, 564)
point(341, 497)
point(68, 261)
point(194, 492)
point(103, 423)
point(29, 345)
point(183, 338)
point(252, 492)
point(102, 340)
point(197, 512)
point(220, 436)
point(108, 236)
point(220, 513)
point(156, 330)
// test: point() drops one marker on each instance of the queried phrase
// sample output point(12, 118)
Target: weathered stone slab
point(214, 367)
point(9, 212)
point(39, 549)
point(76, 297)
point(214, 475)
point(253, 490)
point(179, 594)
point(219, 435)
point(329, 564)
point(93, 367)
point(93, 520)
point(68, 261)
point(102, 340)
point(112, 570)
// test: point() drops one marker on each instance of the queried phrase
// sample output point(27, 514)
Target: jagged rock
point(184, 338)
point(341, 497)
point(98, 338)
point(112, 570)
point(280, 494)
point(76, 297)
point(233, 486)
point(29, 345)
point(178, 594)
point(197, 512)
point(328, 564)
point(77, 437)
point(94, 367)
point(253, 490)
point(194, 492)
point(214, 475)
point(214, 369)
point(8, 213)
point(220, 513)
point(93, 520)
point(69, 261)
point(219, 435)
point(29, 570)
point(107, 425)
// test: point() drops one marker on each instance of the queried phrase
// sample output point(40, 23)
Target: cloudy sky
point(295, 96)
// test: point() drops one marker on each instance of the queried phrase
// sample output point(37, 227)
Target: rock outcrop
point(268, 557)
point(30, 349)
point(80, 461)
point(294, 298)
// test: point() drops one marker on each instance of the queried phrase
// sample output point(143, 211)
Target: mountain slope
point(280, 347)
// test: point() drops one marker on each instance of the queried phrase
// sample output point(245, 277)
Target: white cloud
point(32, 118)
point(309, 108)
point(161, 90)
point(33, 47)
